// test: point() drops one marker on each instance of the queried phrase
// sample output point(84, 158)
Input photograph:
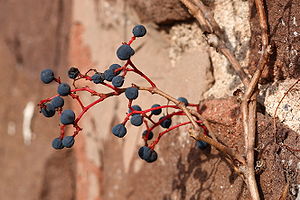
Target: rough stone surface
point(288, 111)
point(160, 11)
point(233, 17)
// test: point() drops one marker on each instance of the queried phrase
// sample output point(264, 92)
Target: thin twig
point(248, 106)
point(210, 26)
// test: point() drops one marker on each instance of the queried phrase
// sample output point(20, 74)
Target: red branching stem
point(152, 146)
point(62, 131)
point(77, 130)
point(135, 69)
point(87, 108)
point(74, 96)
point(87, 89)
point(132, 39)
point(155, 142)
point(42, 102)
point(57, 80)
point(110, 86)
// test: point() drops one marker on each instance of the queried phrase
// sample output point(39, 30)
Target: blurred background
point(57, 34)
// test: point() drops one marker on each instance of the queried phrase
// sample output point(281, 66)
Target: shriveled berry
point(150, 135)
point(119, 130)
point(157, 111)
point(124, 52)
point(48, 110)
point(73, 72)
point(118, 81)
point(57, 144)
point(58, 102)
point(98, 78)
point(184, 100)
point(64, 89)
point(47, 76)
point(139, 31)
point(166, 123)
point(67, 117)
point(136, 120)
point(68, 141)
point(132, 93)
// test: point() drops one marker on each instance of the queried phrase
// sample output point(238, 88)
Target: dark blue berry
point(67, 117)
point(150, 135)
point(68, 141)
point(157, 111)
point(114, 67)
point(119, 130)
point(201, 144)
point(47, 76)
point(57, 143)
point(147, 154)
point(58, 102)
point(184, 100)
point(124, 52)
point(139, 31)
point(109, 74)
point(166, 123)
point(135, 107)
point(118, 81)
point(98, 78)
point(48, 110)
point(73, 72)
point(132, 93)
point(64, 89)
point(136, 120)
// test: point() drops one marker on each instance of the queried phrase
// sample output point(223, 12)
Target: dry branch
point(249, 99)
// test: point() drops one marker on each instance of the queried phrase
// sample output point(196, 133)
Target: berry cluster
point(114, 78)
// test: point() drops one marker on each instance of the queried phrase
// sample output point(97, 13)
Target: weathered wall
point(33, 36)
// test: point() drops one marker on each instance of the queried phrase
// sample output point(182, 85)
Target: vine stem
point(198, 133)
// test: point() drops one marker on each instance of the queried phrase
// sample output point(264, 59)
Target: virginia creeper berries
point(73, 73)
point(119, 130)
point(58, 102)
point(57, 143)
point(132, 93)
point(124, 52)
point(98, 78)
point(64, 89)
point(136, 108)
point(114, 67)
point(147, 154)
point(166, 123)
point(67, 117)
point(109, 75)
point(139, 31)
point(136, 120)
point(157, 111)
point(184, 100)
point(68, 141)
point(48, 110)
point(118, 81)
point(47, 76)
point(150, 135)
